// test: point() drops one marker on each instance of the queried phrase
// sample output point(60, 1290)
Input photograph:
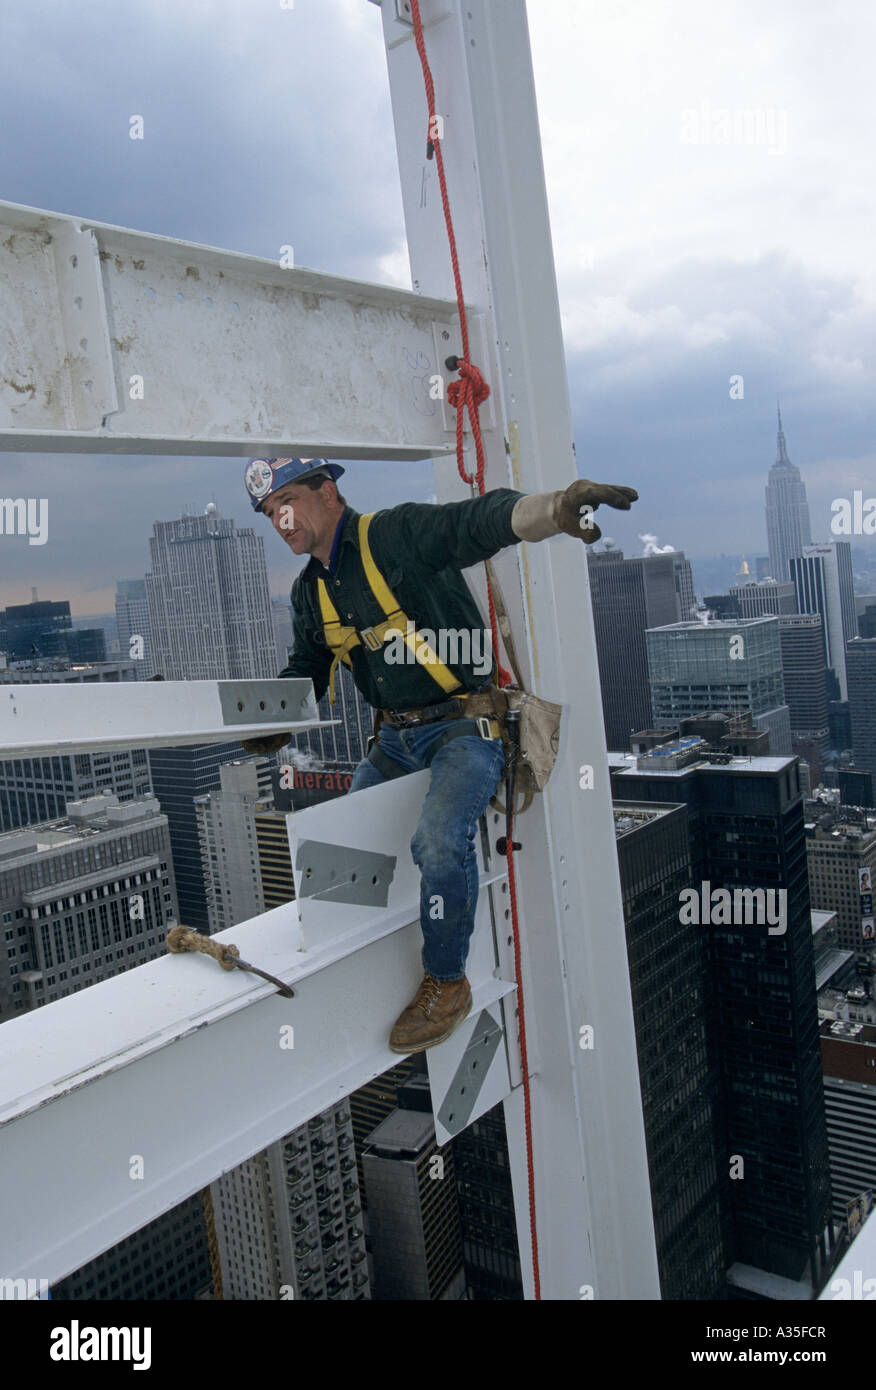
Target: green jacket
point(420, 549)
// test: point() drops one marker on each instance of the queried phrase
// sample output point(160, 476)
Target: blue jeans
point(465, 773)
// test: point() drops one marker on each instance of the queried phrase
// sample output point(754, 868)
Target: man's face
point(299, 515)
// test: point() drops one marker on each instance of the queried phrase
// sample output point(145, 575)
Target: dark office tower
point(486, 1209)
point(856, 787)
point(787, 512)
point(679, 1086)
point(806, 693)
point(372, 1103)
point(823, 579)
point(722, 606)
point(168, 1259)
point(735, 666)
point(866, 612)
point(178, 776)
point(747, 832)
point(34, 629)
point(629, 596)
point(861, 667)
point(413, 1213)
point(132, 620)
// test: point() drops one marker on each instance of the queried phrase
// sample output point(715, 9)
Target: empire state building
point(787, 512)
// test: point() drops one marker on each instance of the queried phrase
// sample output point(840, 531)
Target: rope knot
point(471, 390)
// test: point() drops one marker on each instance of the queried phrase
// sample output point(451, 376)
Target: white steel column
point(594, 1221)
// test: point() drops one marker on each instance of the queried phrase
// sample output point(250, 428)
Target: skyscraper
point(758, 599)
point(861, 667)
point(288, 1220)
point(678, 1079)
point(787, 511)
point(736, 666)
point(747, 832)
point(806, 690)
point(83, 898)
point(628, 596)
point(822, 575)
point(229, 842)
point(178, 776)
point(209, 606)
point(132, 620)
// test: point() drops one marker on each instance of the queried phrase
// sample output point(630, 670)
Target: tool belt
point(484, 712)
point(465, 706)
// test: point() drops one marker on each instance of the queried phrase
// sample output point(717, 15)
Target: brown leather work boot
point(437, 1008)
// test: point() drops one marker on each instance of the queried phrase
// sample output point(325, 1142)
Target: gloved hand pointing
point(569, 510)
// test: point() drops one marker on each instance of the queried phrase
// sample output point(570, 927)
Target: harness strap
point(341, 638)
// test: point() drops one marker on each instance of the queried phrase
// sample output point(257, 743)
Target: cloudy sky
point(682, 261)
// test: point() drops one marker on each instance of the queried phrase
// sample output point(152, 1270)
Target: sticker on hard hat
point(259, 478)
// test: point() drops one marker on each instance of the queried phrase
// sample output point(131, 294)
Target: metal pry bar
point(187, 939)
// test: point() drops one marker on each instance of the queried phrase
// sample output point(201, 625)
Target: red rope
point(467, 394)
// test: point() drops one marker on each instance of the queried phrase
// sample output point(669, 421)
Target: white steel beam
point(592, 1195)
point(122, 342)
point(39, 720)
point(121, 1101)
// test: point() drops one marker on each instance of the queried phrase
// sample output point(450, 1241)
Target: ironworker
point(384, 581)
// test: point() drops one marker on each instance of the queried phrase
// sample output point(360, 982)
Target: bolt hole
point(208, 301)
point(74, 261)
point(282, 704)
point(510, 939)
point(261, 704)
point(373, 878)
point(150, 292)
point(352, 878)
point(83, 343)
point(240, 704)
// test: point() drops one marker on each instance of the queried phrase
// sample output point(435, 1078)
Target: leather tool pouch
point(539, 740)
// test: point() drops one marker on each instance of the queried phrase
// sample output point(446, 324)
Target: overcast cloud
point(680, 264)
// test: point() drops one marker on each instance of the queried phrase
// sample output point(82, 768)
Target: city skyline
point(661, 311)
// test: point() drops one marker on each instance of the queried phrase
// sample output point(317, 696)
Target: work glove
point(269, 744)
point(544, 514)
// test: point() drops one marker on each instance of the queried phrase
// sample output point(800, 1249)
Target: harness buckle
point(370, 639)
point(483, 724)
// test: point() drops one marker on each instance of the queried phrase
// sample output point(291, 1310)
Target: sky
point(683, 259)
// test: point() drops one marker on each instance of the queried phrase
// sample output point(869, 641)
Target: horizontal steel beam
point(123, 342)
point(119, 1102)
point(40, 720)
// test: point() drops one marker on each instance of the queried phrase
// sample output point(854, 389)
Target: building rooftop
point(627, 763)
point(84, 820)
point(403, 1132)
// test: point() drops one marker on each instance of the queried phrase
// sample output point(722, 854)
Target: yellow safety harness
point(340, 639)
